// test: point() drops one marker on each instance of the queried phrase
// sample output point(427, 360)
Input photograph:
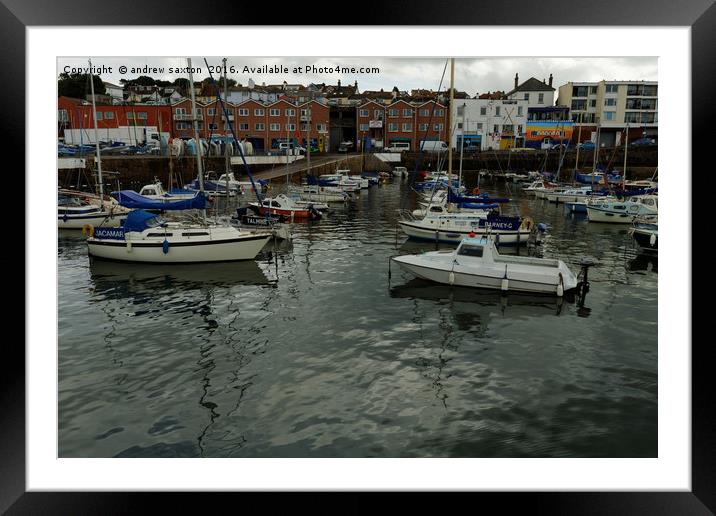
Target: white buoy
point(129, 247)
point(451, 277)
point(652, 239)
point(504, 285)
point(560, 286)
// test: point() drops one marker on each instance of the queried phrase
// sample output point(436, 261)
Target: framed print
point(237, 297)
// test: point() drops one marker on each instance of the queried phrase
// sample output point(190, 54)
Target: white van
point(398, 147)
point(433, 146)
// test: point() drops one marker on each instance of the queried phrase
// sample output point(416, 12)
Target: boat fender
point(476, 190)
point(560, 287)
point(542, 227)
point(528, 223)
point(165, 246)
point(652, 240)
point(451, 278)
point(505, 283)
point(129, 246)
point(88, 230)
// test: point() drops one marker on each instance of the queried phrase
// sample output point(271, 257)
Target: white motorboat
point(339, 181)
point(477, 263)
point(286, 207)
point(75, 213)
point(316, 193)
point(400, 172)
point(617, 211)
point(156, 191)
point(570, 195)
point(645, 232)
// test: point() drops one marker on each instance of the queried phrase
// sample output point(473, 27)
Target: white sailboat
point(146, 238)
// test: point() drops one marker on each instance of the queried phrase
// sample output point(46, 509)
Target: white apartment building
point(613, 105)
point(489, 124)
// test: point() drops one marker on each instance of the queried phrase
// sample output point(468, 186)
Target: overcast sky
point(474, 75)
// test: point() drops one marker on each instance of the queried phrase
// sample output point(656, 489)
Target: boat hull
point(647, 239)
point(67, 221)
point(609, 216)
point(487, 277)
point(449, 236)
point(200, 251)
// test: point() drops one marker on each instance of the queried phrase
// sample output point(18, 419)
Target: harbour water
point(313, 350)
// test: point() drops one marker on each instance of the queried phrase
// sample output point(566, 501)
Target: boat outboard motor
point(583, 284)
point(313, 213)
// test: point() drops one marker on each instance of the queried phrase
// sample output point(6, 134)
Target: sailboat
point(146, 238)
point(453, 226)
point(75, 211)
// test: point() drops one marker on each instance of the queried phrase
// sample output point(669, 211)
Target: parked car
point(433, 146)
point(643, 142)
point(345, 146)
point(586, 145)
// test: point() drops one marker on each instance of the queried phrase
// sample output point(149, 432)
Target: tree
point(77, 85)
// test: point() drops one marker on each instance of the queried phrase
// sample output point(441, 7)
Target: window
point(98, 115)
point(243, 112)
point(305, 126)
point(508, 128)
point(274, 112)
point(422, 127)
point(142, 115)
point(479, 126)
point(519, 110)
point(649, 90)
point(211, 111)
point(304, 112)
point(275, 127)
point(364, 127)
point(592, 90)
point(213, 127)
point(290, 127)
point(459, 125)
point(258, 112)
point(579, 91)
point(392, 113)
point(527, 97)
point(378, 114)
point(108, 115)
point(634, 89)
point(438, 127)
point(364, 113)
point(470, 250)
point(393, 128)
point(631, 117)
point(180, 111)
point(593, 103)
point(579, 105)
point(243, 127)
point(612, 88)
point(439, 112)
point(610, 102)
point(290, 112)
point(648, 118)
point(460, 110)
point(407, 112)
point(424, 112)
point(407, 128)
point(130, 115)
point(648, 103)
point(321, 128)
point(182, 126)
point(497, 111)
point(540, 98)
point(519, 130)
point(260, 127)
point(609, 115)
point(62, 115)
point(495, 128)
point(483, 111)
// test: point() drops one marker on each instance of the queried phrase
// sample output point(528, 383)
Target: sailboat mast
point(308, 138)
point(579, 142)
point(626, 146)
point(462, 143)
point(449, 128)
point(96, 139)
point(195, 123)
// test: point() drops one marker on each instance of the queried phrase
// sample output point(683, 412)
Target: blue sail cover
point(139, 220)
point(131, 199)
point(479, 199)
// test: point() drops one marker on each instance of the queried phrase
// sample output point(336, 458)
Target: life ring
point(476, 190)
point(528, 223)
point(88, 229)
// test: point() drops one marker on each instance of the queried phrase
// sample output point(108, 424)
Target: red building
point(401, 121)
point(77, 114)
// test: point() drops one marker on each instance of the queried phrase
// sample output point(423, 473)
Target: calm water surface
point(313, 351)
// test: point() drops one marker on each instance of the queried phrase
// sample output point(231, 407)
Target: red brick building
point(77, 114)
point(401, 121)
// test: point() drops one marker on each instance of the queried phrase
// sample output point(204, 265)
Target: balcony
point(187, 116)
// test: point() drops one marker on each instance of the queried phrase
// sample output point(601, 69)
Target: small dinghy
point(477, 263)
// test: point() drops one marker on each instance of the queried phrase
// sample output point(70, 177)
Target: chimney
point(544, 81)
point(550, 79)
point(516, 79)
point(339, 83)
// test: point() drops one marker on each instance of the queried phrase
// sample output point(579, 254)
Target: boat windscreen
point(470, 250)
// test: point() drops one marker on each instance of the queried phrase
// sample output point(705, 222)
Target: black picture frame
point(700, 15)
